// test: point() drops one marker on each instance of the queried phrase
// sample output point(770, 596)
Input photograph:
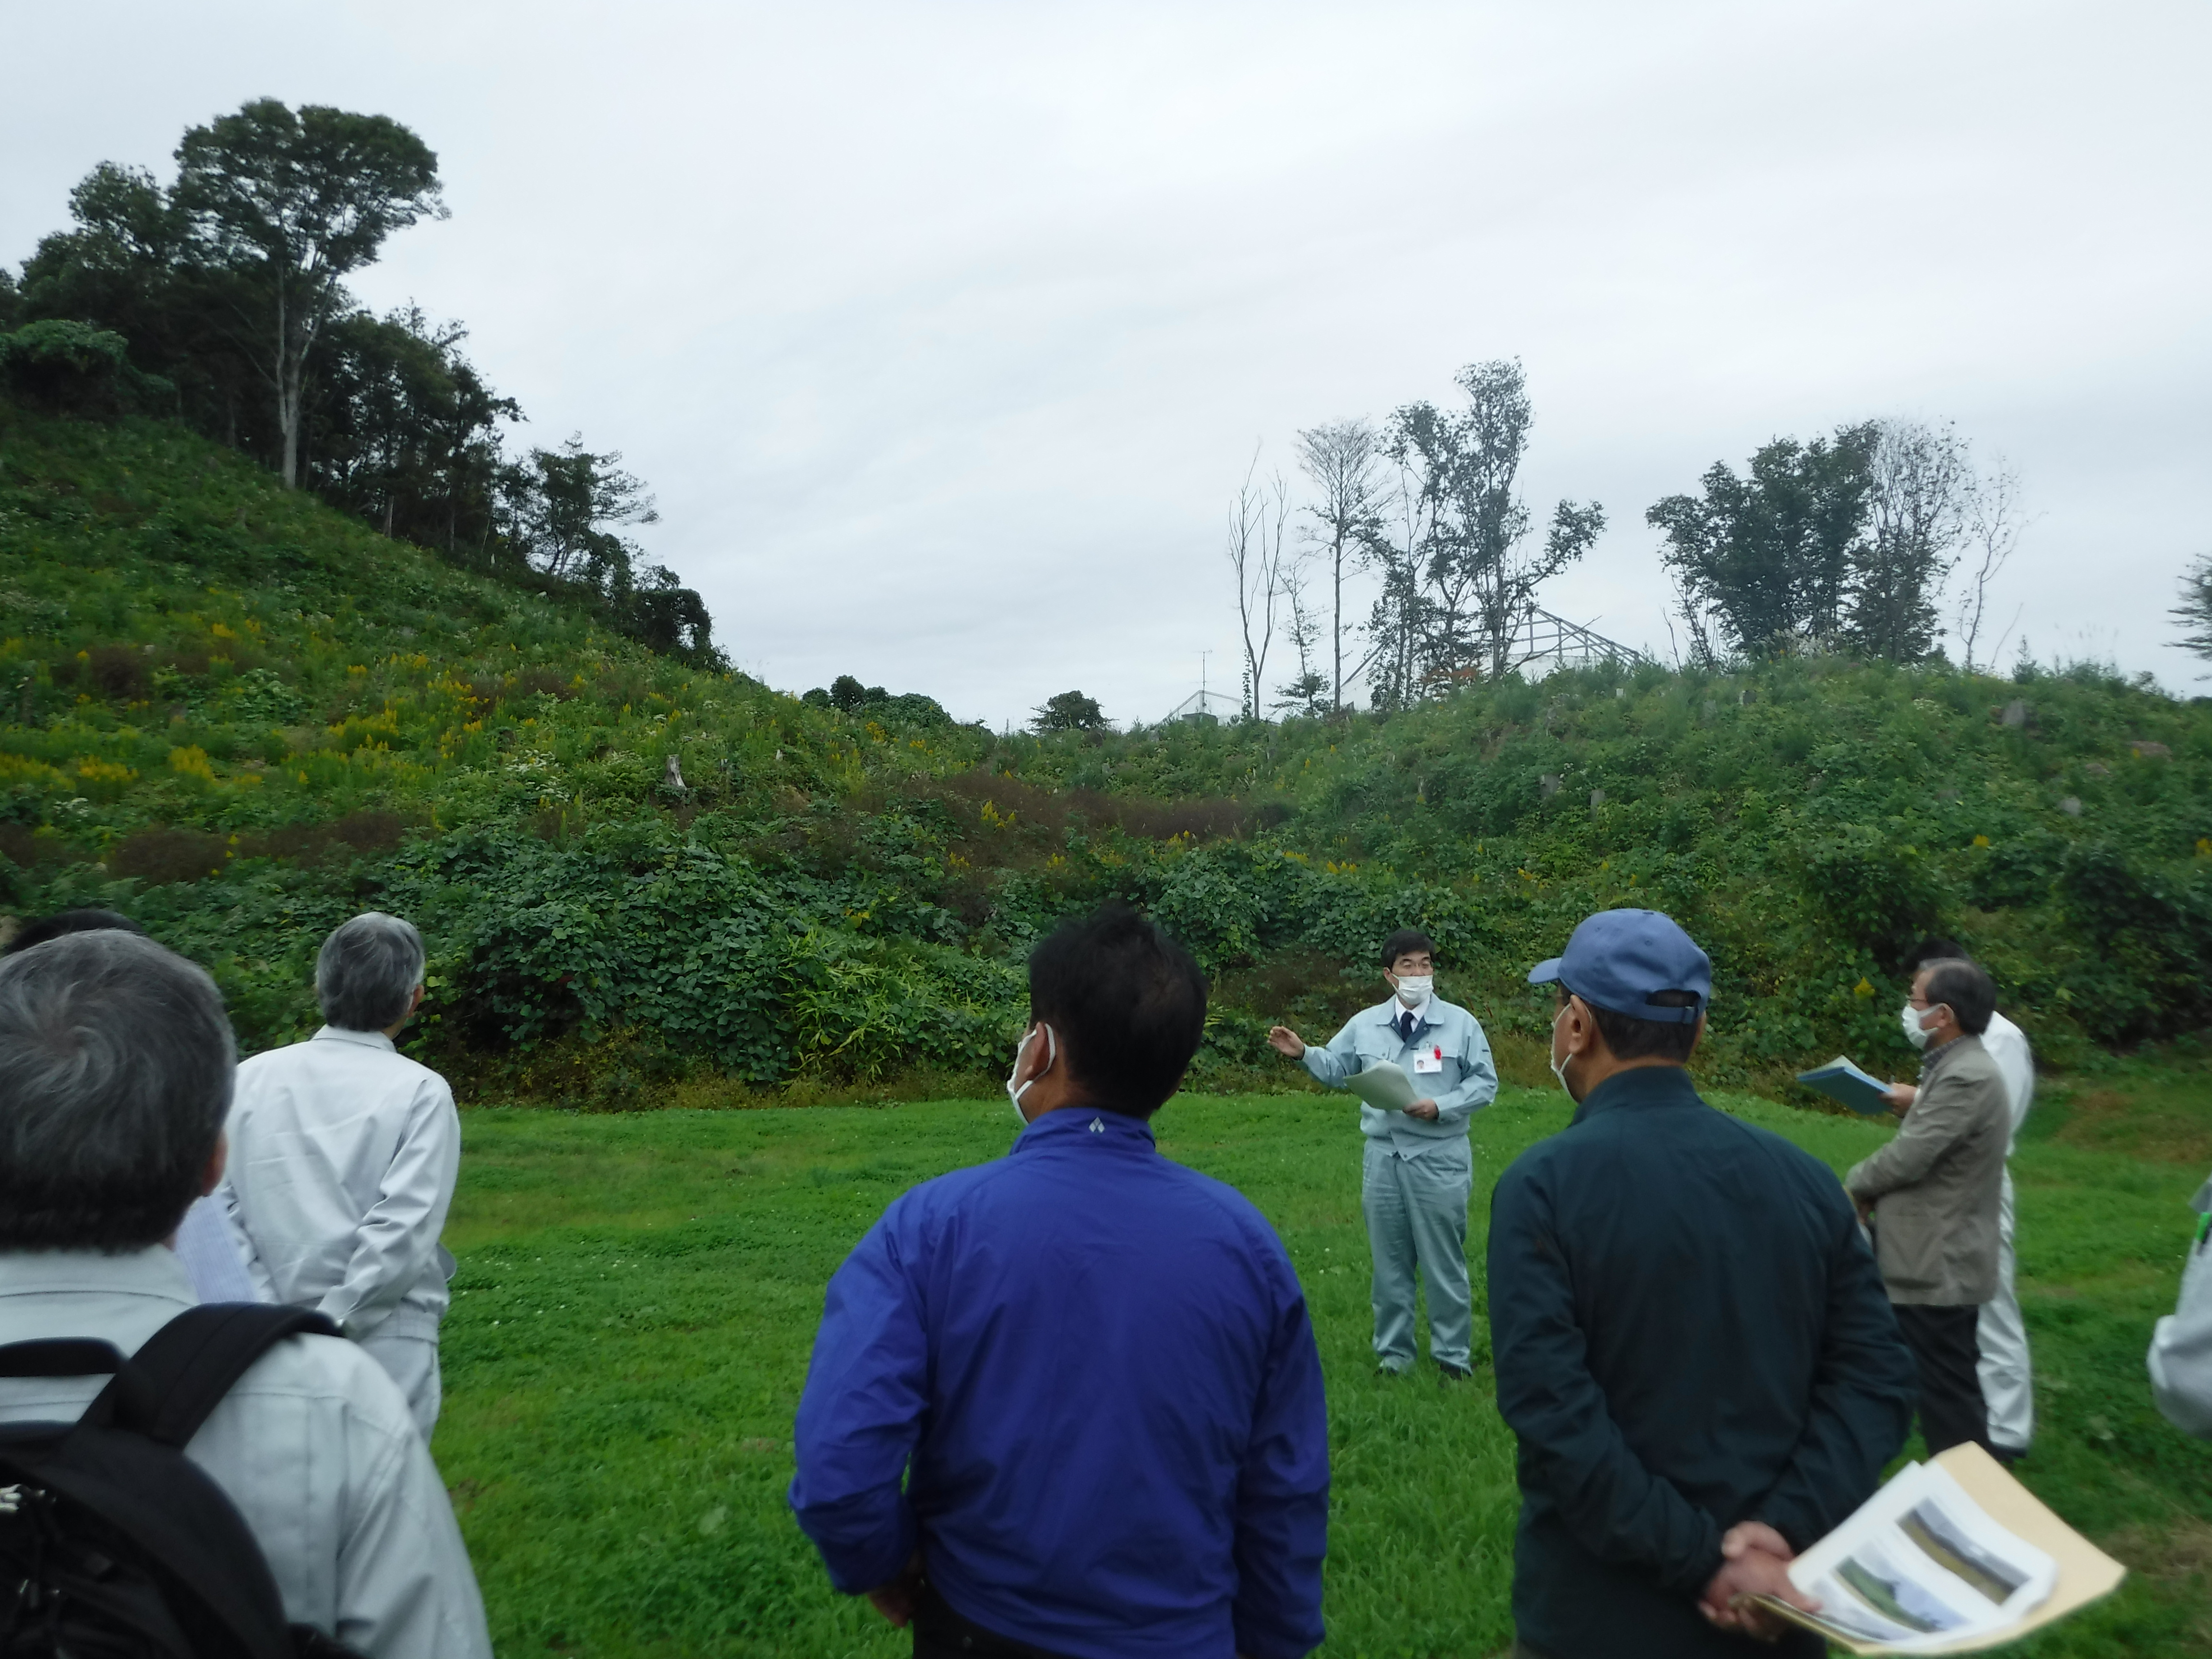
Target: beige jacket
point(1936, 1187)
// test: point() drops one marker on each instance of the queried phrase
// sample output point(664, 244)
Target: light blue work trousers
point(1416, 1210)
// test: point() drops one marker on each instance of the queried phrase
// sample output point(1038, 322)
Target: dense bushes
point(238, 717)
point(75, 369)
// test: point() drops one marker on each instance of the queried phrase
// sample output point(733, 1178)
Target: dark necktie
point(1405, 1026)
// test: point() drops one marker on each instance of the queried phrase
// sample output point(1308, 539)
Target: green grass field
point(638, 1295)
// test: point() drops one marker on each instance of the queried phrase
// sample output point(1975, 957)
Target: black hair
point(1934, 948)
point(1405, 942)
point(65, 922)
point(1962, 987)
point(1127, 1002)
point(1630, 1038)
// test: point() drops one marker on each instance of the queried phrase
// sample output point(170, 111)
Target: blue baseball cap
point(1619, 959)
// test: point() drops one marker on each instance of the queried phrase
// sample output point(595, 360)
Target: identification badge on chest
point(1430, 1060)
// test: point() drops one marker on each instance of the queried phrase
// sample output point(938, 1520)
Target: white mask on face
point(1414, 989)
point(1559, 1066)
point(1051, 1055)
point(1915, 1032)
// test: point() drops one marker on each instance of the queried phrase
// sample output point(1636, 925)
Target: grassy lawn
point(638, 1295)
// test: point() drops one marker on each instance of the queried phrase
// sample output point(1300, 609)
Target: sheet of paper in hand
point(1841, 1080)
point(1950, 1557)
point(1385, 1084)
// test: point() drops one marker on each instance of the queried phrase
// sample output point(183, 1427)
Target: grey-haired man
point(344, 1153)
point(115, 1070)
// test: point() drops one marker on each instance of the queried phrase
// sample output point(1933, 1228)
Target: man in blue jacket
point(1692, 1345)
point(1091, 1367)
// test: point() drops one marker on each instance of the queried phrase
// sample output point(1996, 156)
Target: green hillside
point(238, 716)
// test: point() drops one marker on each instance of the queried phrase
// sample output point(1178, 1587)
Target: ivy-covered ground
point(638, 1296)
point(238, 715)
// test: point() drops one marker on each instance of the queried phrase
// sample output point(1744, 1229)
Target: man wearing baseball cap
point(1692, 1345)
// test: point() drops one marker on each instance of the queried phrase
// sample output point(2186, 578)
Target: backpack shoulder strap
point(165, 1390)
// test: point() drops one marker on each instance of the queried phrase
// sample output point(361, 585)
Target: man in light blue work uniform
point(1418, 1168)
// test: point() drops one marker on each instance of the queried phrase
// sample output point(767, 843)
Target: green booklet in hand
point(1841, 1080)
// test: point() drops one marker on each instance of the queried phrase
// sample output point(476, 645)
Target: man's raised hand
point(1283, 1041)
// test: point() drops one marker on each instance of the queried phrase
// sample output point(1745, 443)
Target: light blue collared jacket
point(1467, 1083)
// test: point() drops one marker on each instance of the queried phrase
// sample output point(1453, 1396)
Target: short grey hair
point(1965, 988)
point(116, 1063)
point(367, 972)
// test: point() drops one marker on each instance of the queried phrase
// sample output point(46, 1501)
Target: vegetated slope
point(239, 716)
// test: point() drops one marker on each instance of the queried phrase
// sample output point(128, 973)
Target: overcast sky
point(944, 332)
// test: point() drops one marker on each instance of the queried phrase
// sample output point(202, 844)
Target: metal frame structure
point(1557, 643)
point(1544, 642)
point(1203, 704)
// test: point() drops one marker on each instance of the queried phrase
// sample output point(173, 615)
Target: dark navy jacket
point(1688, 1331)
point(1098, 1367)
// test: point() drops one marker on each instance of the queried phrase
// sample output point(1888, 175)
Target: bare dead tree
point(1341, 458)
point(1920, 489)
point(1700, 620)
point(1256, 549)
point(2195, 610)
point(1308, 694)
point(1993, 527)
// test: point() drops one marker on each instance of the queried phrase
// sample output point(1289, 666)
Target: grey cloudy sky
point(946, 331)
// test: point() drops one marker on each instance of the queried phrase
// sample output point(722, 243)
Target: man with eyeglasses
point(1933, 1196)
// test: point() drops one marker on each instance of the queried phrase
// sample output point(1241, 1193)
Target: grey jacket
point(1936, 1186)
point(314, 1445)
point(1459, 1075)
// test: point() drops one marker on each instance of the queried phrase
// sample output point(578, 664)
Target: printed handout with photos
point(1921, 1567)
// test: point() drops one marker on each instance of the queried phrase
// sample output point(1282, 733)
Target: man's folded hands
point(1755, 1561)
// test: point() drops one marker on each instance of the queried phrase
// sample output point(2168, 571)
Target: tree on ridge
point(289, 205)
point(1341, 458)
point(2195, 610)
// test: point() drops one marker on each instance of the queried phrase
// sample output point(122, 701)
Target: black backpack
point(114, 1544)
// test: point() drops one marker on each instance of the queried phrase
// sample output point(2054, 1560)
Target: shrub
point(75, 369)
point(1873, 888)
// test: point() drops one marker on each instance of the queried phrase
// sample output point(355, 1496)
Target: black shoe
point(1448, 1375)
point(1390, 1370)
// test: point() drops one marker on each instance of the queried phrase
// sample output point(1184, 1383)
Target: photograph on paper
point(1922, 1565)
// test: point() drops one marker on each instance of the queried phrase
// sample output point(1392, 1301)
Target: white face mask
point(1915, 1032)
point(1414, 989)
point(1051, 1055)
point(1559, 1066)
